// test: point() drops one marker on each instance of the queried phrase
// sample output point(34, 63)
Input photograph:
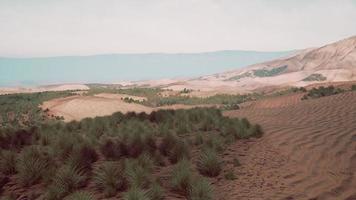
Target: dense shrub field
point(21, 110)
point(123, 155)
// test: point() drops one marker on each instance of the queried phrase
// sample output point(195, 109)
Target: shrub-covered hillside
point(131, 156)
point(22, 110)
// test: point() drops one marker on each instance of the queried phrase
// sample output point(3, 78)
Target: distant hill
point(119, 67)
point(330, 63)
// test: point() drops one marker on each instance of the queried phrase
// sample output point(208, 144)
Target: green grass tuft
point(201, 190)
point(209, 163)
point(109, 178)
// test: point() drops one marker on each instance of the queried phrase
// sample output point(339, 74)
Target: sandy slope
point(307, 152)
point(79, 107)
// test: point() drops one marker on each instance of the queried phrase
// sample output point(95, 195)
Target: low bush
point(169, 140)
point(209, 163)
point(32, 165)
point(109, 178)
point(7, 162)
point(138, 175)
point(182, 177)
point(201, 190)
point(136, 194)
point(80, 196)
point(353, 87)
point(155, 192)
point(179, 151)
point(83, 156)
point(66, 181)
point(112, 149)
point(214, 142)
point(198, 139)
point(229, 175)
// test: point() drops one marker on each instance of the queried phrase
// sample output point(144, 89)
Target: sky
point(40, 28)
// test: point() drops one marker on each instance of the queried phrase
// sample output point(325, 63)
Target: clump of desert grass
point(32, 165)
point(8, 162)
point(109, 178)
point(80, 195)
point(182, 177)
point(209, 163)
point(230, 175)
point(201, 190)
point(136, 194)
point(67, 180)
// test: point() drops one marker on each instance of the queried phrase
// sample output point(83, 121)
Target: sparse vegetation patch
point(322, 92)
point(315, 77)
point(268, 73)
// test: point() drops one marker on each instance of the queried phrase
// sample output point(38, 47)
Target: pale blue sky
point(84, 27)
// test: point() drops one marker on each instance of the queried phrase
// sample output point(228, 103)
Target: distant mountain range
point(335, 62)
point(121, 67)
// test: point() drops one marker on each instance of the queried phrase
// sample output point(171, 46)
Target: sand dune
point(308, 150)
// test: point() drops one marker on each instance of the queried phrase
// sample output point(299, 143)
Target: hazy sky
point(82, 27)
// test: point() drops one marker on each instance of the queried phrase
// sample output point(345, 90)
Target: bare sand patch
point(307, 152)
point(79, 107)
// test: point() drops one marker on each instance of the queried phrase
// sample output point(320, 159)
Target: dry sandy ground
point(308, 150)
point(61, 87)
point(79, 107)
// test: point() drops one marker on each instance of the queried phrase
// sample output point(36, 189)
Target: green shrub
point(32, 165)
point(158, 159)
point(137, 175)
point(79, 196)
point(209, 163)
point(353, 87)
point(8, 197)
point(136, 194)
point(179, 151)
point(201, 190)
point(66, 181)
point(214, 142)
point(109, 178)
point(111, 149)
point(182, 177)
point(229, 175)
point(83, 156)
point(156, 192)
point(169, 140)
point(198, 139)
point(7, 162)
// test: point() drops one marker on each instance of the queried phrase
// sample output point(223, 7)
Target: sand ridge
point(308, 150)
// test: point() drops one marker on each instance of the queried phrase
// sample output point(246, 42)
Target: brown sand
point(308, 150)
point(79, 107)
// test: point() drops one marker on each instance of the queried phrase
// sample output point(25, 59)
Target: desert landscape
point(178, 100)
